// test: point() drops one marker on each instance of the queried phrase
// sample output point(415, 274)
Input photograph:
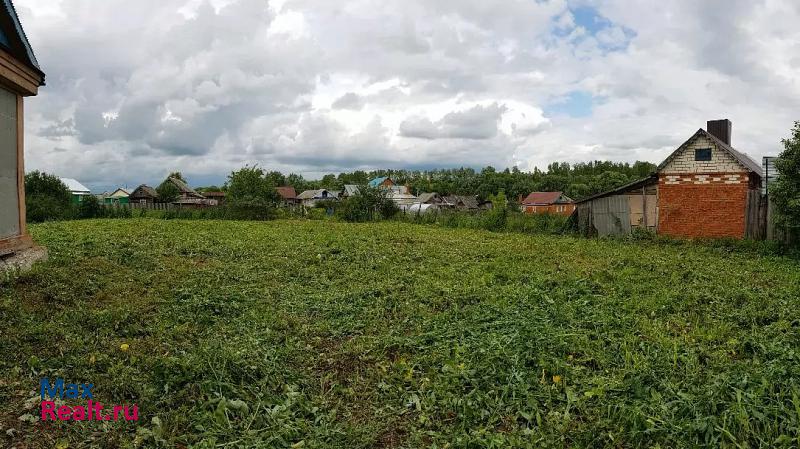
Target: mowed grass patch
point(321, 334)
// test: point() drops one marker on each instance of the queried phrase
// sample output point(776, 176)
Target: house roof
point(74, 186)
point(184, 188)
point(29, 58)
point(545, 198)
point(287, 192)
point(740, 157)
point(144, 191)
point(425, 197)
point(350, 189)
point(378, 181)
point(470, 202)
point(119, 193)
point(652, 179)
point(316, 195)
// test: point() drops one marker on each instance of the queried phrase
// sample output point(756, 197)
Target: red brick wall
point(702, 205)
point(551, 209)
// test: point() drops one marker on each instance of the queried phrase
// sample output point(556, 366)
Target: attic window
point(702, 154)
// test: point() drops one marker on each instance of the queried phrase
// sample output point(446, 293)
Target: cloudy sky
point(136, 89)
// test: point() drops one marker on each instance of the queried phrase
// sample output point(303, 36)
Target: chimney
point(721, 129)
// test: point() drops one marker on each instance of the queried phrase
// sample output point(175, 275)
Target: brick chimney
point(721, 129)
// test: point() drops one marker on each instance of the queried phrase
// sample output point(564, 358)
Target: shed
point(620, 210)
point(20, 76)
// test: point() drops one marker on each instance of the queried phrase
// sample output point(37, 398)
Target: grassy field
point(320, 334)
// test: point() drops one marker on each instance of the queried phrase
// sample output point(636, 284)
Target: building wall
point(555, 209)
point(703, 198)
point(721, 161)
point(9, 167)
point(703, 205)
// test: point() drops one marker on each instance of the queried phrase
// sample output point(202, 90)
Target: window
point(702, 154)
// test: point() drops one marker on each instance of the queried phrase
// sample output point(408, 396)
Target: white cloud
point(136, 89)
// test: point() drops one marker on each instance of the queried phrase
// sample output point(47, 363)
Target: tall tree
point(785, 191)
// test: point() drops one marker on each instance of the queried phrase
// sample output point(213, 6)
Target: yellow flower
point(556, 379)
point(124, 347)
point(62, 445)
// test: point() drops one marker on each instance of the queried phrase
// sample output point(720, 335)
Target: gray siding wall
point(9, 199)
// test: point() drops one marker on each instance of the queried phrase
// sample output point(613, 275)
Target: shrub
point(90, 207)
point(47, 198)
point(251, 195)
point(366, 205)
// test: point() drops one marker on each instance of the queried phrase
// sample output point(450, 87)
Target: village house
point(143, 194)
point(383, 181)
point(310, 198)
point(20, 76)
point(288, 195)
point(118, 197)
point(704, 189)
point(217, 196)
point(555, 203)
point(78, 190)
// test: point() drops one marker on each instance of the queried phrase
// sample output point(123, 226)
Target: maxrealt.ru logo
point(93, 411)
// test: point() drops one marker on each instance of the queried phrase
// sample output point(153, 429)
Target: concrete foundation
point(17, 262)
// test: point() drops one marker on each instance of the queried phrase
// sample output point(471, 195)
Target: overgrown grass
point(393, 335)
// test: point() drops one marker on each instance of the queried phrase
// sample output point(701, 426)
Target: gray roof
point(29, 56)
point(470, 202)
point(742, 158)
point(144, 191)
point(184, 188)
point(74, 186)
point(350, 189)
point(317, 195)
point(425, 197)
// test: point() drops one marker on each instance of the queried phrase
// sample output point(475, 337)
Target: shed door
point(9, 193)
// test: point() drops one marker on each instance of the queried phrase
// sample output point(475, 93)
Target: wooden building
point(20, 76)
point(143, 194)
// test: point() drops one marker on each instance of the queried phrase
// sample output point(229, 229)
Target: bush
point(47, 198)
point(90, 207)
point(251, 195)
point(367, 204)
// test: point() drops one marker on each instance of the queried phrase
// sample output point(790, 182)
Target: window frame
point(703, 151)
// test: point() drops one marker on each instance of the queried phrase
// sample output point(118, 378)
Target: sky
point(137, 89)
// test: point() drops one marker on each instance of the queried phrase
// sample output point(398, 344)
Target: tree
point(367, 204)
point(90, 207)
point(46, 198)
point(168, 191)
point(251, 194)
point(177, 175)
point(785, 191)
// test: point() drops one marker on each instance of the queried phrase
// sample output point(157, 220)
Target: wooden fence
point(759, 221)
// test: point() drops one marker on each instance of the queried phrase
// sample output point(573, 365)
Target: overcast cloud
point(136, 89)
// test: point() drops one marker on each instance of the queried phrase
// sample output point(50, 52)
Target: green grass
point(400, 335)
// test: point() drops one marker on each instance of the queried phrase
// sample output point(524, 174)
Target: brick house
point(704, 185)
point(555, 203)
point(704, 189)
